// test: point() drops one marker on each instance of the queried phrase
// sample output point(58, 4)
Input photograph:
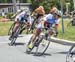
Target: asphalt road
point(55, 53)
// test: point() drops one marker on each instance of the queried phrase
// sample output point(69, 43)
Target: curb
point(62, 41)
point(53, 39)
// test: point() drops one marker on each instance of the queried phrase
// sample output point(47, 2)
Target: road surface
point(55, 53)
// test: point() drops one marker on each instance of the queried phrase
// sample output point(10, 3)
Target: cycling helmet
point(58, 13)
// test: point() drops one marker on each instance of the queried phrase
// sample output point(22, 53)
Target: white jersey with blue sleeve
point(50, 18)
point(20, 16)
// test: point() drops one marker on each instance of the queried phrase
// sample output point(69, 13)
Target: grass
point(69, 31)
point(4, 27)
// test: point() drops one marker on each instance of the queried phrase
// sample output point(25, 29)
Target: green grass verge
point(69, 31)
point(4, 27)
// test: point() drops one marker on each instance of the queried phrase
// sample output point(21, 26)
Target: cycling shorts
point(46, 24)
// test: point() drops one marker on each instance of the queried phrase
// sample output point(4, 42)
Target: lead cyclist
point(49, 19)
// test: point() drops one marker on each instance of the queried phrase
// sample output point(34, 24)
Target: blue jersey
point(50, 18)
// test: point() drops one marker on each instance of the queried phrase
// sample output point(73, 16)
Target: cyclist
point(52, 11)
point(38, 12)
point(49, 19)
point(22, 16)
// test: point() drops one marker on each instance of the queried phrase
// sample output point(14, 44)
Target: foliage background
point(50, 3)
point(46, 3)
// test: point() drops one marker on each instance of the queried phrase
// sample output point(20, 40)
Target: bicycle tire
point(12, 42)
point(32, 26)
point(15, 35)
point(11, 29)
point(70, 55)
point(38, 50)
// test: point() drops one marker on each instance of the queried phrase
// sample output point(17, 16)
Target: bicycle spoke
point(42, 47)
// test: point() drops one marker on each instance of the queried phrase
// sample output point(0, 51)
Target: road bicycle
point(71, 54)
point(41, 42)
point(27, 28)
point(23, 28)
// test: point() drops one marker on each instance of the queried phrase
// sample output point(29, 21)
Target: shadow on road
point(16, 44)
point(19, 44)
point(62, 52)
point(39, 54)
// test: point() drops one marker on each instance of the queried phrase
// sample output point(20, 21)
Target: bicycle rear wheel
point(12, 41)
point(71, 55)
point(42, 47)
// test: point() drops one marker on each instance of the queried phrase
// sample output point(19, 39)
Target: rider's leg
point(34, 37)
point(37, 32)
point(16, 25)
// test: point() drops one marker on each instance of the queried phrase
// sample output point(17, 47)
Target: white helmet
point(22, 9)
point(58, 13)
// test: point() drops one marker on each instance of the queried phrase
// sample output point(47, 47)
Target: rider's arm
point(56, 24)
point(56, 28)
point(13, 16)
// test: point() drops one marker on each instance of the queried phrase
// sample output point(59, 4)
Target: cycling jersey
point(49, 19)
point(23, 17)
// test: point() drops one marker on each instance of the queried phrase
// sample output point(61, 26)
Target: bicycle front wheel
point(12, 41)
point(15, 35)
point(11, 29)
point(42, 47)
point(71, 55)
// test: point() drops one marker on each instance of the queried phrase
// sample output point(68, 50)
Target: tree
point(49, 3)
point(46, 3)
